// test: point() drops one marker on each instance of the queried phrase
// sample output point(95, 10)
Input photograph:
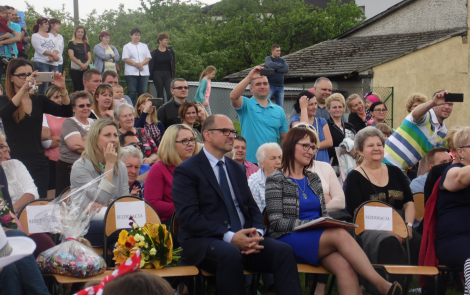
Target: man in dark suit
point(221, 227)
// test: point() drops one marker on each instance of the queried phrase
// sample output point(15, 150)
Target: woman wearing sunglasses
point(178, 144)
point(102, 105)
point(294, 196)
point(306, 105)
point(22, 115)
point(72, 138)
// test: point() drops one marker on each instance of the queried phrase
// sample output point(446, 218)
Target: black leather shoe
point(395, 289)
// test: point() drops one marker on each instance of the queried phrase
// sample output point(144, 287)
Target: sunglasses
point(181, 87)
point(81, 106)
point(308, 126)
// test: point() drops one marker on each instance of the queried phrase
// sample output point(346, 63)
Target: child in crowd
point(119, 97)
point(4, 29)
point(204, 90)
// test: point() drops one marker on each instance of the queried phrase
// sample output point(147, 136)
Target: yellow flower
point(122, 237)
point(120, 255)
point(146, 245)
point(139, 238)
point(142, 263)
point(153, 251)
point(141, 244)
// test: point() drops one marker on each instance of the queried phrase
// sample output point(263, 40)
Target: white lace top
point(19, 180)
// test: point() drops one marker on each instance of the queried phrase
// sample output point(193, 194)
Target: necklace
point(380, 177)
point(303, 190)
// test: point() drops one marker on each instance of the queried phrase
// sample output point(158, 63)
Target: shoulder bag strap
point(168, 169)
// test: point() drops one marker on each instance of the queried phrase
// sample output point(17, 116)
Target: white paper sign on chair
point(38, 218)
point(124, 210)
point(378, 218)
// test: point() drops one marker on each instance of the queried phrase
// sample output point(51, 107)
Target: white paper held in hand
point(38, 218)
point(378, 218)
point(124, 210)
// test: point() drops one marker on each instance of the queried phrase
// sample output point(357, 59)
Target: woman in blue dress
point(306, 106)
point(294, 196)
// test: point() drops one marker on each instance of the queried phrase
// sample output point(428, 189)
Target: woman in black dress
point(22, 115)
point(80, 57)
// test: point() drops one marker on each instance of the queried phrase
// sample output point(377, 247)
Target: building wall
point(374, 7)
point(444, 65)
point(420, 16)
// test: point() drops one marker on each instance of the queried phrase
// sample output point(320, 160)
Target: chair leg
point(436, 284)
point(314, 285)
point(407, 284)
point(254, 284)
point(332, 284)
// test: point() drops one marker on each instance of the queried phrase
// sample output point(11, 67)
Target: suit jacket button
point(225, 222)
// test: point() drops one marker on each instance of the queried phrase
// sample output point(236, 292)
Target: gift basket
point(71, 217)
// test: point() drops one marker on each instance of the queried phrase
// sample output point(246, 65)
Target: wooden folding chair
point(23, 213)
point(307, 268)
point(151, 216)
point(399, 228)
point(254, 285)
point(419, 205)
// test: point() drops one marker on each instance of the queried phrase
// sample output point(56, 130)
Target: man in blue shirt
point(276, 82)
point(261, 121)
point(10, 38)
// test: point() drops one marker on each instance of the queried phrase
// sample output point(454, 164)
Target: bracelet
point(66, 94)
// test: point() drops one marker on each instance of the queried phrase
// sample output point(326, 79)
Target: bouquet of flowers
point(153, 240)
point(7, 219)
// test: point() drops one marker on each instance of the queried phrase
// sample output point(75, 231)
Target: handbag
point(117, 67)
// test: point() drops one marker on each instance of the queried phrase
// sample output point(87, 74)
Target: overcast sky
point(85, 6)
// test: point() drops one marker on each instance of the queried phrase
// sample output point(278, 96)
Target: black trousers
point(77, 80)
point(52, 174)
point(63, 171)
point(162, 81)
point(227, 262)
point(40, 175)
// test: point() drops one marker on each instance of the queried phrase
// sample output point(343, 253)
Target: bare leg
point(338, 240)
point(345, 274)
point(320, 289)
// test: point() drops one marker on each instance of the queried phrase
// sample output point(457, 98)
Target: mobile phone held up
point(454, 97)
point(266, 72)
point(156, 102)
point(45, 77)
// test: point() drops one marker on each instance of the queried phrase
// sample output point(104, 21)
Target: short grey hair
point(119, 108)
point(462, 137)
point(365, 133)
point(130, 151)
point(262, 150)
point(176, 80)
point(318, 81)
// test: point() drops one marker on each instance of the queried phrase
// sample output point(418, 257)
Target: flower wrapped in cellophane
point(153, 240)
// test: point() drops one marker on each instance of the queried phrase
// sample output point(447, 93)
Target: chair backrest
point(23, 213)
point(110, 216)
point(399, 226)
point(419, 205)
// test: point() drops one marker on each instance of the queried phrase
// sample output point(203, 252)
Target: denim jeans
point(278, 92)
point(136, 86)
point(42, 67)
point(8, 46)
point(22, 276)
point(60, 69)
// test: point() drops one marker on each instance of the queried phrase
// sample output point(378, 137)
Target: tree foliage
point(232, 36)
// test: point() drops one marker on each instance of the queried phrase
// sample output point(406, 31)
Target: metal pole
point(75, 12)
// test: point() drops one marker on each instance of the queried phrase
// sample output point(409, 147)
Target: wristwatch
point(410, 224)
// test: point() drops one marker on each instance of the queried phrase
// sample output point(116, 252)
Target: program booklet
point(324, 222)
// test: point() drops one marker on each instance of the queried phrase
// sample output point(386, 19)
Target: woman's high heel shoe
point(395, 289)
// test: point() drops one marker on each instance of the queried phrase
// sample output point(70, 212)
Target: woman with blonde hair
point(146, 117)
point(102, 104)
point(358, 115)
point(415, 100)
point(22, 115)
point(101, 155)
point(178, 144)
point(202, 115)
point(80, 57)
point(204, 90)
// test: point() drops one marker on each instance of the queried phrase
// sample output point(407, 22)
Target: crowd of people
point(186, 161)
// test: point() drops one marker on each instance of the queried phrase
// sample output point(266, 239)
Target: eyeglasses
point(81, 106)
point(186, 141)
point(380, 110)
point(181, 87)
point(134, 144)
point(308, 126)
point(22, 76)
point(226, 131)
point(463, 147)
point(307, 147)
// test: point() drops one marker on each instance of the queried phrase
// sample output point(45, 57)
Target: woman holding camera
point(22, 115)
